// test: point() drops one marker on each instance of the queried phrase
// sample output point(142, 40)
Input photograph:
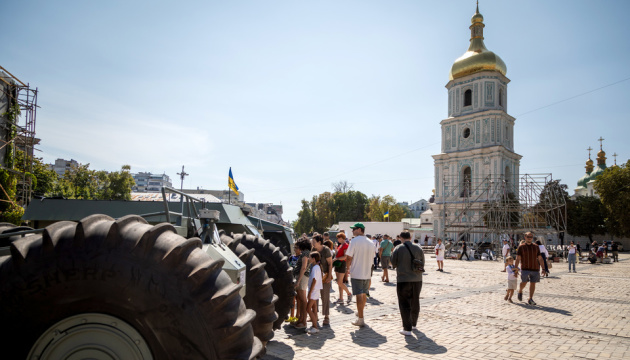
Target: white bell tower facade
point(477, 139)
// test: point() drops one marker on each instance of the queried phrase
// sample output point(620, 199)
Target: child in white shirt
point(512, 273)
point(315, 284)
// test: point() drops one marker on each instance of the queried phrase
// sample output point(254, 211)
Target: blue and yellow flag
point(231, 183)
point(386, 214)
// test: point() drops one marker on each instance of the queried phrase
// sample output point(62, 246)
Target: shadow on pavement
point(545, 308)
point(279, 348)
point(420, 343)
point(389, 284)
point(302, 339)
point(367, 337)
point(343, 308)
point(373, 301)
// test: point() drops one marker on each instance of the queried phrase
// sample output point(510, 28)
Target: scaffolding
point(17, 124)
point(493, 208)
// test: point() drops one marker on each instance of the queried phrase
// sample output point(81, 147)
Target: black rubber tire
point(162, 284)
point(259, 291)
point(278, 268)
point(6, 228)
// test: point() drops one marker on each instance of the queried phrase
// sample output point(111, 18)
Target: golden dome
point(477, 58)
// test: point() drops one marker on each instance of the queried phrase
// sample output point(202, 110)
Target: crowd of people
point(355, 258)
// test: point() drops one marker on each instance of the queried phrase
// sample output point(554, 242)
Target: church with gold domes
point(477, 137)
point(585, 184)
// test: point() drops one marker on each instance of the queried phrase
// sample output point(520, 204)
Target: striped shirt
point(529, 256)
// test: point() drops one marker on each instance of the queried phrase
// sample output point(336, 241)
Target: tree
point(350, 206)
point(586, 217)
point(82, 183)
point(324, 216)
point(553, 201)
point(379, 206)
point(43, 178)
point(115, 185)
point(613, 187)
point(305, 221)
point(342, 186)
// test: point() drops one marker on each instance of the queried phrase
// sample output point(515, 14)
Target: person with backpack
point(385, 253)
point(408, 260)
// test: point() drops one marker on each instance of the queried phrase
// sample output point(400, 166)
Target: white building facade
point(477, 137)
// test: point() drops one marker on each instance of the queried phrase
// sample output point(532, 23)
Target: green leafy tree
point(324, 217)
point(586, 217)
point(43, 179)
point(613, 187)
point(350, 206)
point(115, 185)
point(81, 182)
point(305, 221)
point(555, 197)
point(378, 206)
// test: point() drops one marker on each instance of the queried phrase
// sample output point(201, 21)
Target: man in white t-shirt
point(506, 253)
point(359, 258)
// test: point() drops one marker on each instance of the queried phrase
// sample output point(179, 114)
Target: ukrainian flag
point(386, 214)
point(231, 183)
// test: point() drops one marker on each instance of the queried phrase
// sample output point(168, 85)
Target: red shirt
point(341, 250)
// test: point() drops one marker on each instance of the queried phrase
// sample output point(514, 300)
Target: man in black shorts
point(528, 256)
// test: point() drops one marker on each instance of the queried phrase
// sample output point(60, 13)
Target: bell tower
point(477, 137)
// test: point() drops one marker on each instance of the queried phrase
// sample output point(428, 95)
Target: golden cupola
point(477, 58)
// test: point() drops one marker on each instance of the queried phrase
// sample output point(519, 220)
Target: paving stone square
point(583, 315)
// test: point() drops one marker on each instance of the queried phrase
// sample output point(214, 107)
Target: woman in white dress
point(439, 255)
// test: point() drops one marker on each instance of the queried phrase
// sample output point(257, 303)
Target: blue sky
point(295, 95)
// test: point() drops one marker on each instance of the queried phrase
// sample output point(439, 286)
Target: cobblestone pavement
point(583, 315)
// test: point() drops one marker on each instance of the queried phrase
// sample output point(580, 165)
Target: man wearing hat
point(506, 253)
point(359, 257)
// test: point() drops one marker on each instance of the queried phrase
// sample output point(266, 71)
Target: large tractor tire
point(259, 291)
point(120, 289)
point(277, 267)
point(7, 228)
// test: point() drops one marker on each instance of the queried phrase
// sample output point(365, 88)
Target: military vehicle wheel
point(259, 291)
point(133, 290)
point(277, 267)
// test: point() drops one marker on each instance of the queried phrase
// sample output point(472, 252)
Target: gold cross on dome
point(601, 140)
point(589, 151)
point(615, 156)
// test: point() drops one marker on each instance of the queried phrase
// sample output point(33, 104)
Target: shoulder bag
point(416, 264)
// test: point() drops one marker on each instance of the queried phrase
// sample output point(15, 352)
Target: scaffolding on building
point(498, 209)
point(18, 128)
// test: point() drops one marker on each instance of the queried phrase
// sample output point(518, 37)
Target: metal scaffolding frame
point(498, 209)
point(20, 94)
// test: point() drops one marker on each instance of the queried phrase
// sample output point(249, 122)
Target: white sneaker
point(414, 328)
point(359, 322)
point(312, 330)
point(405, 332)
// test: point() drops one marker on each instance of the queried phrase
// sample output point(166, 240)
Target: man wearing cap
point(506, 253)
point(359, 257)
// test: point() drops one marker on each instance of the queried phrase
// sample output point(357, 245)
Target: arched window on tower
point(466, 181)
point(468, 97)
